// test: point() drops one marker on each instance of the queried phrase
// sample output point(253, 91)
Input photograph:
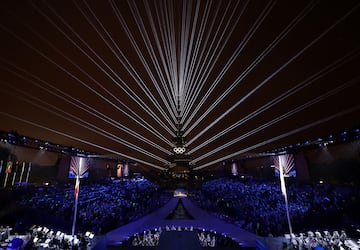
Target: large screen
point(287, 163)
point(79, 166)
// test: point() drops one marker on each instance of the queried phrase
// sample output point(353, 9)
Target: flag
point(282, 181)
point(9, 167)
point(76, 194)
point(77, 187)
point(283, 190)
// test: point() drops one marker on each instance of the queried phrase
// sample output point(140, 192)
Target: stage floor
point(202, 219)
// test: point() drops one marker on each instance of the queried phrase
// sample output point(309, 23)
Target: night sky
point(122, 78)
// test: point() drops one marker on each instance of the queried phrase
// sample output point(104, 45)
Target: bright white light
point(294, 131)
point(182, 62)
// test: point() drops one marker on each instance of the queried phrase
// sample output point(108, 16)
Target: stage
point(201, 219)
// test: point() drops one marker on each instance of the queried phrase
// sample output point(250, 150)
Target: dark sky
point(123, 77)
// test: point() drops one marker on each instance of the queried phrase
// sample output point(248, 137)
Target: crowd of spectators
point(101, 206)
point(259, 207)
point(38, 237)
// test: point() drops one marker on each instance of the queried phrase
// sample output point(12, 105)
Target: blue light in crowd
point(357, 130)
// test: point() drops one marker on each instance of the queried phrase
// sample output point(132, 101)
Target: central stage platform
point(179, 241)
point(201, 219)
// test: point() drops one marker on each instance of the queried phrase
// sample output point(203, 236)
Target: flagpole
point(28, 172)
point(77, 188)
point(283, 189)
point(14, 176)
point(1, 165)
point(22, 172)
point(6, 177)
